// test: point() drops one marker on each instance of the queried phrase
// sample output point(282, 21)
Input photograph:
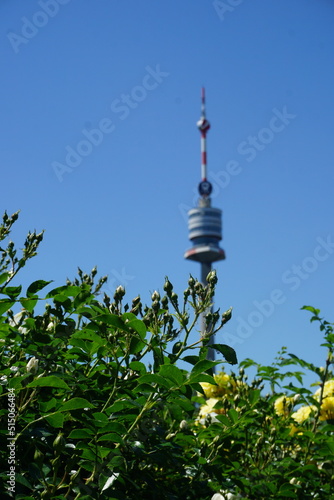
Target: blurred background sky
point(134, 70)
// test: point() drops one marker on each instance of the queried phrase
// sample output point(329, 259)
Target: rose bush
point(114, 401)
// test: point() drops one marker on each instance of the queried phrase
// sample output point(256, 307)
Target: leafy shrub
point(108, 400)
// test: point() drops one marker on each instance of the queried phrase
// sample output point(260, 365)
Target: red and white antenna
point(203, 126)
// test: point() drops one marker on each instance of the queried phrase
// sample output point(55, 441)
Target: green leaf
point(36, 286)
point(81, 434)
point(76, 404)
point(224, 420)
point(172, 373)
point(55, 419)
point(136, 345)
point(50, 381)
point(227, 351)
point(29, 304)
point(153, 378)
point(66, 291)
point(6, 304)
point(46, 406)
point(233, 414)
point(12, 291)
point(138, 326)
point(190, 359)
point(112, 320)
point(200, 377)
point(137, 366)
point(4, 277)
point(111, 437)
point(82, 298)
point(121, 405)
point(100, 419)
point(254, 396)
point(313, 310)
point(203, 366)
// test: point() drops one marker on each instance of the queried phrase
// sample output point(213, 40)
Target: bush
point(104, 400)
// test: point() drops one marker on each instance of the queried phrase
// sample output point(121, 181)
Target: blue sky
point(99, 147)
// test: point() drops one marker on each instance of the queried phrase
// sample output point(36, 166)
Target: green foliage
point(100, 391)
point(114, 401)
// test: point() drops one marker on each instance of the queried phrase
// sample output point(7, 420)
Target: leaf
point(55, 419)
point(4, 277)
point(110, 481)
point(233, 414)
point(12, 291)
point(190, 359)
point(112, 320)
point(203, 366)
point(5, 304)
point(136, 345)
point(224, 420)
point(111, 437)
point(50, 381)
point(46, 406)
point(172, 373)
point(313, 310)
point(254, 396)
point(82, 298)
point(76, 404)
point(66, 291)
point(81, 434)
point(121, 405)
point(29, 304)
point(138, 326)
point(153, 378)
point(201, 377)
point(227, 351)
point(137, 366)
point(36, 286)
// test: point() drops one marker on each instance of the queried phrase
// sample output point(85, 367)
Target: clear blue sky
point(134, 70)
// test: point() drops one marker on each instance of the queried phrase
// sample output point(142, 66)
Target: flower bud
point(168, 287)
point(119, 293)
point(296, 398)
point(155, 296)
point(183, 425)
point(227, 315)
point(59, 444)
point(212, 278)
point(156, 306)
point(164, 302)
point(32, 365)
point(191, 282)
point(174, 298)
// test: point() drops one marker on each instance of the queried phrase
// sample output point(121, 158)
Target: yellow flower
point(328, 390)
point(327, 409)
point(303, 413)
point(294, 430)
point(283, 405)
point(208, 408)
point(225, 385)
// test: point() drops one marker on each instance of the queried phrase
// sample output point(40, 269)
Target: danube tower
point(204, 221)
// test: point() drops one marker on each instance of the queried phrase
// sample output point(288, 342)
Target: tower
point(204, 221)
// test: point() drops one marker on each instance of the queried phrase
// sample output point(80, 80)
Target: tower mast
point(204, 221)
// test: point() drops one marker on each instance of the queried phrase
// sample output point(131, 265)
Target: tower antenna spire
point(203, 126)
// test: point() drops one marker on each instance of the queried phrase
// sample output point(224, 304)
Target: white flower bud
point(155, 295)
point(32, 365)
point(183, 425)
